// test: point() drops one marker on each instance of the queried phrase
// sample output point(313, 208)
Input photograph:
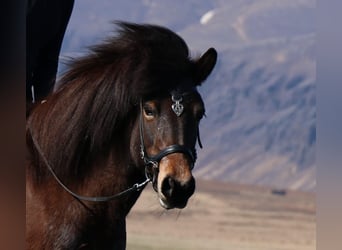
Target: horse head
point(168, 126)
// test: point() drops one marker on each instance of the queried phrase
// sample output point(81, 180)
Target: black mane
point(99, 94)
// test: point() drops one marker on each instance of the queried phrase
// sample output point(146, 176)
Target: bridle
point(149, 161)
point(152, 162)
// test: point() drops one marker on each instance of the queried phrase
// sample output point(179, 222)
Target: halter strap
point(170, 150)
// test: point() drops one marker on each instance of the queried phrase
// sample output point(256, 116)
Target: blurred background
point(257, 171)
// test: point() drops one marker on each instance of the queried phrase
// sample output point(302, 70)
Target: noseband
point(154, 160)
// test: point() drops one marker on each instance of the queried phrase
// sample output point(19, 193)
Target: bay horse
point(124, 115)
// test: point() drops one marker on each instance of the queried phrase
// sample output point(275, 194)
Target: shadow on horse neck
point(87, 131)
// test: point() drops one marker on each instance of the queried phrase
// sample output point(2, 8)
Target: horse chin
point(164, 204)
point(169, 205)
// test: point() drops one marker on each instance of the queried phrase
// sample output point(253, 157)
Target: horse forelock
point(98, 96)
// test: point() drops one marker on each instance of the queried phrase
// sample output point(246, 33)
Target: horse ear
point(204, 65)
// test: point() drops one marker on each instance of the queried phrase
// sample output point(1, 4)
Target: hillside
point(260, 99)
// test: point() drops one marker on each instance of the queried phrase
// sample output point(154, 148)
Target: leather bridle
point(149, 161)
point(152, 162)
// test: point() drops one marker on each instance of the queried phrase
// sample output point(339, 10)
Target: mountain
point(260, 100)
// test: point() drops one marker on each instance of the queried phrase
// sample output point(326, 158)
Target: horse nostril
point(176, 194)
point(168, 186)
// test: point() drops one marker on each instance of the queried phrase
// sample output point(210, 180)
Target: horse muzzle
point(175, 194)
point(175, 183)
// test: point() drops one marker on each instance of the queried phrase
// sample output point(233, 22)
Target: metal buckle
point(177, 107)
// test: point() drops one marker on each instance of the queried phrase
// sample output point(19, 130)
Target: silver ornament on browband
point(177, 107)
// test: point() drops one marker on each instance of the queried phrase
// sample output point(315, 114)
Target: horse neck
point(112, 167)
point(115, 170)
point(116, 173)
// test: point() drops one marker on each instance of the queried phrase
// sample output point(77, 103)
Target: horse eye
point(149, 111)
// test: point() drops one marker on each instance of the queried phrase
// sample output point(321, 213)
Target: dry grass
point(225, 216)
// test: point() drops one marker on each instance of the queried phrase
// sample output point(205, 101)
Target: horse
point(124, 115)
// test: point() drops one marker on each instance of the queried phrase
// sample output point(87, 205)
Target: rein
point(135, 187)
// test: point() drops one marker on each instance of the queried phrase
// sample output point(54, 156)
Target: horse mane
point(97, 98)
